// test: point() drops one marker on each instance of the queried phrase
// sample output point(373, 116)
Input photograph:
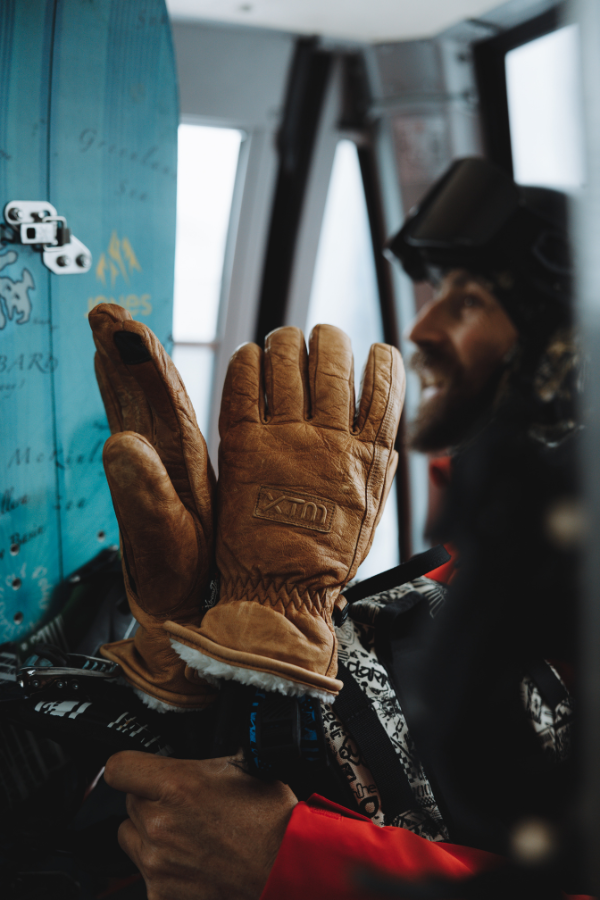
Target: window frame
point(234, 77)
point(489, 57)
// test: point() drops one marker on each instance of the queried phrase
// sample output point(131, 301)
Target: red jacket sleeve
point(445, 572)
point(325, 845)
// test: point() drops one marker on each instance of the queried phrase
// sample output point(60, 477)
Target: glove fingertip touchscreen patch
point(131, 348)
point(293, 508)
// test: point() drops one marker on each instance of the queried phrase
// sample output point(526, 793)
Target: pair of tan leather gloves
point(303, 479)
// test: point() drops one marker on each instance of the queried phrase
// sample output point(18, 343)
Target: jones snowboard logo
point(292, 508)
point(116, 267)
point(14, 295)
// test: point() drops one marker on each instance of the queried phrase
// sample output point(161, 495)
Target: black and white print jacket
point(356, 650)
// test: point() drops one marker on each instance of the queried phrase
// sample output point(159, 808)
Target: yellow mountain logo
point(119, 259)
point(119, 262)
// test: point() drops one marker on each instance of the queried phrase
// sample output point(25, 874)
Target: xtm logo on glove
point(304, 510)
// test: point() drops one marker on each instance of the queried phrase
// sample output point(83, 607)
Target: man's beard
point(452, 415)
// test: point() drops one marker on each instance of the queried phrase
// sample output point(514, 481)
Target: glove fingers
point(166, 556)
point(331, 378)
point(135, 413)
point(382, 396)
point(286, 375)
point(114, 413)
point(379, 500)
point(387, 486)
point(243, 390)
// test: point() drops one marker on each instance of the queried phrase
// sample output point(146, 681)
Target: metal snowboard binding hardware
point(72, 675)
point(77, 700)
point(36, 222)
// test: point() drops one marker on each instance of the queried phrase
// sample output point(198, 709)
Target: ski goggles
point(476, 217)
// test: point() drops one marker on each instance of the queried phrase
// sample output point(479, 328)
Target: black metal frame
point(489, 57)
point(309, 76)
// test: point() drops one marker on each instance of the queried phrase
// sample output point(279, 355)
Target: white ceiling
point(360, 20)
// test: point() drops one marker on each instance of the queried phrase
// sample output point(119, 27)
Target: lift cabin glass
point(207, 165)
point(544, 108)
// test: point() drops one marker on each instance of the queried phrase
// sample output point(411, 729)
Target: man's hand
point(199, 829)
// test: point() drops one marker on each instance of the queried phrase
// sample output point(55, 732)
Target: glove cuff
point(292, 651)
point(156, 691)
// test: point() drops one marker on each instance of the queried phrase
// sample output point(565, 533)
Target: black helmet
point(475, 217)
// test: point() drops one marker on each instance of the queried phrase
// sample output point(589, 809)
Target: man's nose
point(429, 326)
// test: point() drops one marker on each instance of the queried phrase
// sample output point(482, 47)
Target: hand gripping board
point(88, 122)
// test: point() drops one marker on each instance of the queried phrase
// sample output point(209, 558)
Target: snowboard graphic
point(89, 124)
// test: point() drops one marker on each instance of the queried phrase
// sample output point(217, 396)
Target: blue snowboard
point(88, 123)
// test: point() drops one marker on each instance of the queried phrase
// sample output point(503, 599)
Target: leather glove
point(302, 485)
point(162, 485)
